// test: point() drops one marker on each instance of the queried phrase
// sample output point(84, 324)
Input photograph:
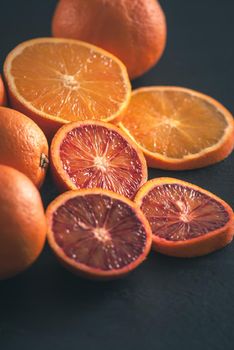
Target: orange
point(186, 220)
point(23, 145)
point(134, 31)
point(22, 222)
point(97, 154)
point(68, 81)
point(98, 234)
point(179, 128)
point(2, 93)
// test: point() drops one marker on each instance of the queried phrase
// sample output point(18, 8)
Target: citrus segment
point(69, 80)
point(97, 154)
point(97, 233)
point(185, 219)
point(179, 128)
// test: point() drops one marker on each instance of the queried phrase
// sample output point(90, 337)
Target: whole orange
point(133, 30)
point(2, 93)
point(22, 222)
point(23, 145)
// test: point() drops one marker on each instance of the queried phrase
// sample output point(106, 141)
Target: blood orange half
point(97, 155)
point(186, 220)
point(98, 234)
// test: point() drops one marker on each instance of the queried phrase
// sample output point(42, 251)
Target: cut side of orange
point(178, 128)
point(56, 81)
point(95, 154)
point(98, 234)
point(186, 220)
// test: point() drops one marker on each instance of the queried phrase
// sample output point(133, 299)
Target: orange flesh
point(179, 213)
point(94, 156)
point(99, 231)
point(173, 123)
point(70, 81)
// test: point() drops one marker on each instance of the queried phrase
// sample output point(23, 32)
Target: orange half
point(178, 128)
point(56, 81)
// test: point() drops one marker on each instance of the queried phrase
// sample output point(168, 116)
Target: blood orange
point(97, 155)
point(185, 219)
point(98, 234)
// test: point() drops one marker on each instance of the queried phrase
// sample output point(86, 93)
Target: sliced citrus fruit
point(95, 154)
point(98, 234)
point(2, 93)
point(186, 220)
point(178, 128)
point(56, 81)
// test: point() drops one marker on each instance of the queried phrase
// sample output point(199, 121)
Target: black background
point(166, 303)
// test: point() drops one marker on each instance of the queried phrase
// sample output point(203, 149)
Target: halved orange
point(95, 154)
point(186, 220)
point(178, 128)
point(98, 234)
point(56, 81)
point(2, 93)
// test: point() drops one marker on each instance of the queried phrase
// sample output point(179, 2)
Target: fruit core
point(179, 213)
point(70, 82)
point(101, 234)
point(172, 123)
point(101, 163)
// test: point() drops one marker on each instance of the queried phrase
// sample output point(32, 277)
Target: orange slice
point(56, 81)
point(186, 220)
point(178, 128)
point(98, 234)
point(95, 154)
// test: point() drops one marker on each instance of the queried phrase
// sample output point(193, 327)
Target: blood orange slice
point(98, 234)
point(97, 155)
point(57, 81)
point(178, 128)
point(185, 219)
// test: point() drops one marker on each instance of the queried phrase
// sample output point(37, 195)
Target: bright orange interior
point(69, 80)
point(173, 123)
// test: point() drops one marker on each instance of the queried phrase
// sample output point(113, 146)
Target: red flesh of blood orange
point(97, 233)
point(97, 155)
point(185, 219)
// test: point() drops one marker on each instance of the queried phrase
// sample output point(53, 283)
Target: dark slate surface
point(167, 303)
